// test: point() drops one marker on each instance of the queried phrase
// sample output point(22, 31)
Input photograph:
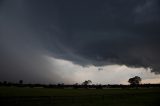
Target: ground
point(79, 97)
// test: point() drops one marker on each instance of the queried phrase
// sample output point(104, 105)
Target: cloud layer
point(86, 32)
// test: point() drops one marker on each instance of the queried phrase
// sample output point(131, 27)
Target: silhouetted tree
point(4, 82)
point(135, 80)
point(87, 82)
point(20, 81)
point(99, 86)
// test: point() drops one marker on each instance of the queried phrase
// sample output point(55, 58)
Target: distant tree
point(87, 82)
point(99, 86)
point(20, 81)
point(76, 84)
point(4, 82)
point(60, 85)
point(135, 80)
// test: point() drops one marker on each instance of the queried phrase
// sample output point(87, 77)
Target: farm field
point(78, 97)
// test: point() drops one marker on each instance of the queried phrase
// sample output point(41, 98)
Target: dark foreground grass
point(78, 97)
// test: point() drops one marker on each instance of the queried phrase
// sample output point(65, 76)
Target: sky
point(70, 41)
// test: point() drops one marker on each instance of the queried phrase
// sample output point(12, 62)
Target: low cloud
point(86, 33)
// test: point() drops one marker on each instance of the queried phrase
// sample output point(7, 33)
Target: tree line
point(135, 82)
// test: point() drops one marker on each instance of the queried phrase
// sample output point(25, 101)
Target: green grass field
point(78, 97)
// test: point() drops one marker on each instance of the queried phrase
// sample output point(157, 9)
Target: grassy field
point(78, 97)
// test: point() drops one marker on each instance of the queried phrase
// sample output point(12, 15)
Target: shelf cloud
point(86, 33)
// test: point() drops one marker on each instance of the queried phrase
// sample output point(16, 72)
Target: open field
point(78, 97)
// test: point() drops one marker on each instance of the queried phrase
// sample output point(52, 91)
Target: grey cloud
point(113, 33)
point(84, 32)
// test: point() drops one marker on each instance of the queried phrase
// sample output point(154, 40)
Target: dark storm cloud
point(97, 32)
point(111, 32)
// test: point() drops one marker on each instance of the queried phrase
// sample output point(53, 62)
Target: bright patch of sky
point(111, 74)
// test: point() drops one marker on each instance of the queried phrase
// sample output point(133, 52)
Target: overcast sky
point(56, 41)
